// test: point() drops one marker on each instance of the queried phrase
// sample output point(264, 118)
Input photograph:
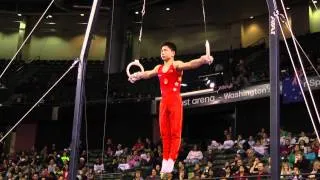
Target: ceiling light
point(49, 16)
point(82, 23)
point(315, 1)
point(251, 17)
point(167, 9)
point(51, 23)
point(137, 12)
point(288, 8)
point(19, 15)
point(81, 14)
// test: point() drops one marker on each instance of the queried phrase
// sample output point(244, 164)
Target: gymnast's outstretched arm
point(193, 64)
point(151, 73)
point(144, 75)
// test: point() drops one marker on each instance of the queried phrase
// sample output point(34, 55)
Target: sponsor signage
point(252, 92)
point(209, 97)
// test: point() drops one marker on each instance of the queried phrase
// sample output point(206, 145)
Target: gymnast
point(171, 109)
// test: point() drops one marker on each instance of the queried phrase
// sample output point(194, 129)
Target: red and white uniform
point(170, 115)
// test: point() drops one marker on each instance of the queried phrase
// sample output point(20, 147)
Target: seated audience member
point(194, 155)
point(98, 167)
point(296, 174)
point(251, 141)
point(119, 150)
point(123, 165)
point(138, 175)
point(285, 170)
point(303, 137)
point(302, 163)
point(240, 141)
point(315, 173)
point(227, 144)
point(261, 174)
point(153, 175)
point(285, 148)
point(241, 173)
point(259, 148)
point(254, 167)
point(138, 146)
point(310, 155)
point(214, 145)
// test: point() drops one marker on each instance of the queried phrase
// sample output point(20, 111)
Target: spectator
point(65, 158)
point(310, 155)
point(119, 150)
point(194, 155)
point(138, 175)
point(259, 148)
point(285, 170)
point(158, 168)
point(293, 140)
point(109, 144)
point(296, 174)
point(98, 167)
point(148, 145)
point(51, 166)
point(292, 156)
point(138, 146)
point(301, 162)
point(205, 172)
point(240, 175)
point(228, 143)
point(153, 175)
point(303, 137)
point(169, 176)
point(285, 148)
point(134, 160)
point(197, 170)
point(251, 141)
point(227, 170)
point(123, 165)
point(254, 167)
point(265, 141)
point(82, 163)
point(261, 174)
point(315, 147)
point(182, 174)
point(240, 141)
point(315, 173)
point(303, 146)
point(234, 164)
point(261, 132)
point(109, 152)
point(146, 159)
point(65, 173)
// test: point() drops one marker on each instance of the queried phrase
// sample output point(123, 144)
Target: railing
point(300, 176)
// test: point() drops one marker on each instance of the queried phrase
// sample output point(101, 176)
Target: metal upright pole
point(274, 70)
point(78, 107)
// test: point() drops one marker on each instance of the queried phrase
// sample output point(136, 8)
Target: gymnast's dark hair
point(171, 45)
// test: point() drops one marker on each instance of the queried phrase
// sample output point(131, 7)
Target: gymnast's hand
point(206, 59)
point(135, 77)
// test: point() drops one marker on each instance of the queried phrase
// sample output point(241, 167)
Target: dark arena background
point(95, 124)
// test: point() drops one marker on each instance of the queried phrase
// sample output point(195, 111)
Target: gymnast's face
point(167, 53)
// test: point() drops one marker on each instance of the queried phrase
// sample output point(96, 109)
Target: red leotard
point(170, 115)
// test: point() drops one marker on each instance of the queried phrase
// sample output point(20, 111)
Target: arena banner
point(209, 97)
point(252, 92)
